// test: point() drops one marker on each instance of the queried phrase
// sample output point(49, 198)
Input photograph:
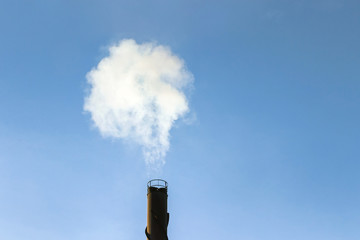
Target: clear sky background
point(274, 151)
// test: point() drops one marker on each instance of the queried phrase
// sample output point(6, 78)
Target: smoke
point(136, 93)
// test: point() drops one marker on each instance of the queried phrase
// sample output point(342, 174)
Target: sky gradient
point(272, 151)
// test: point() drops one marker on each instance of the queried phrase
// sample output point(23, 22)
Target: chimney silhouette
point(157, 215)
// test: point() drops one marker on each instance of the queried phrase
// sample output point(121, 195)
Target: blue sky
point(273, 153)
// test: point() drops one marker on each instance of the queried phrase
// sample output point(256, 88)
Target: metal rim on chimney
point(157, 183)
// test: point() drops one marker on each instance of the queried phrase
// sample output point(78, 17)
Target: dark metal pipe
point(157, 215)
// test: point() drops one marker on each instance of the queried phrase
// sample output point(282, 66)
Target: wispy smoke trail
point(137, 93)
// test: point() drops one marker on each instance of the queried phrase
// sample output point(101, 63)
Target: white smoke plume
point(136, 93)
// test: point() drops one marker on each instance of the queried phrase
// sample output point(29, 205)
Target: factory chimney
point(157, 215)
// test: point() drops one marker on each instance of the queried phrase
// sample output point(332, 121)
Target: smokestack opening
point(157, 185)
point(157, 215)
